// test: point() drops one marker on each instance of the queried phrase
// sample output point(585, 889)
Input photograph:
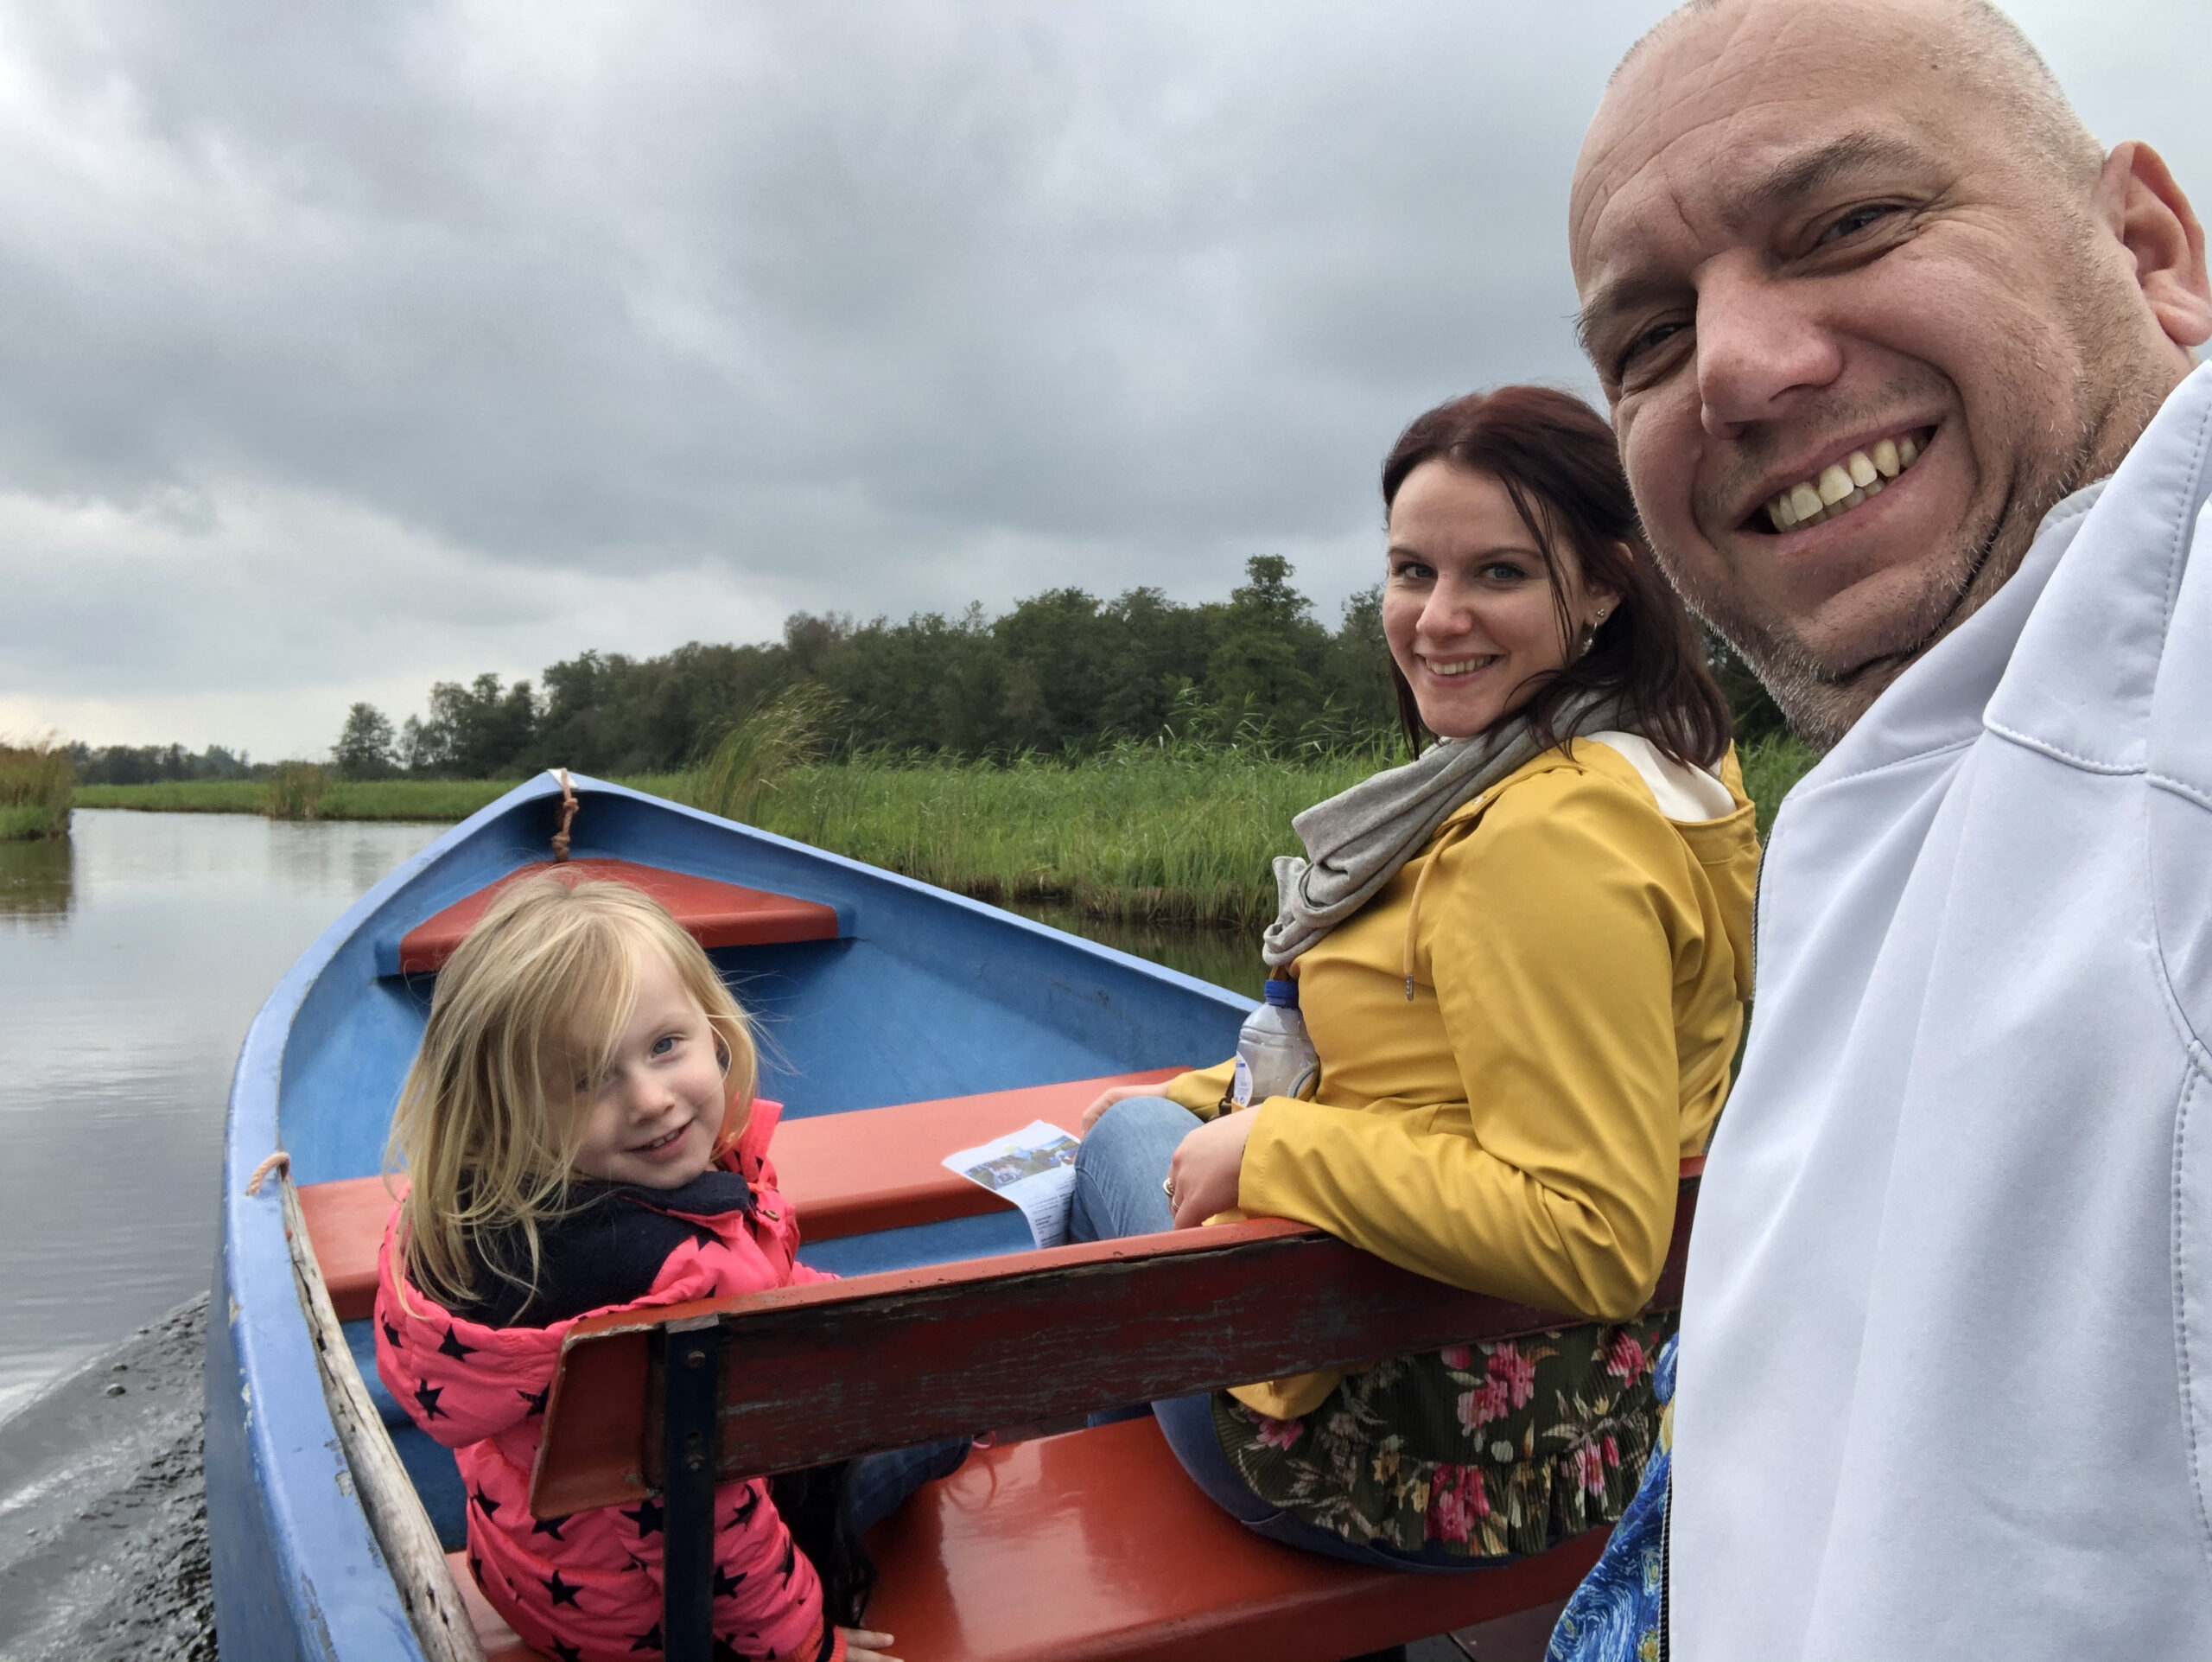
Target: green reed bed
point(1179, 833)
point(1174, 834)
point(1170, 833)
point(36, 780)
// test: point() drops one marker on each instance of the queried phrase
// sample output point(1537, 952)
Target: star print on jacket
point(590, 1581)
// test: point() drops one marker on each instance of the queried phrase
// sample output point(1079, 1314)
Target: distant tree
point(366, 746)
point(123, 764)
point(1061, 670)
point(1269, 650)
point(414, 749)
point(1356, 670)
point(477, 731)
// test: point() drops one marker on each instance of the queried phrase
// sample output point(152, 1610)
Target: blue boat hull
point(922, 995)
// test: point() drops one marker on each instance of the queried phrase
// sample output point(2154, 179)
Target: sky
point(344, 349)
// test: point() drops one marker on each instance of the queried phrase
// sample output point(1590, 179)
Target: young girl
point(580, 1133)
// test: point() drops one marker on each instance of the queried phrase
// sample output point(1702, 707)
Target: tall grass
point(1172, 832)
point(1771, 766)
point(36, 782)
point(295, 791)
point(761, 749)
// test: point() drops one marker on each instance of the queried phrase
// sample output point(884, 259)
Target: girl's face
point(653, 1119)
point(1467, 606)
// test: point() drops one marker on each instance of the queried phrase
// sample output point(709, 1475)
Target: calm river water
point(132, 957)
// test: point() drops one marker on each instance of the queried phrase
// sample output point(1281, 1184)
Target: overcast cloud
point(344, 348)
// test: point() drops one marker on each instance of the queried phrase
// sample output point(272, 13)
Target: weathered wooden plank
point(403, 1530)
point(835, 1369)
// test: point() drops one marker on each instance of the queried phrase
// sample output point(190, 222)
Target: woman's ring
point(1168, 1187)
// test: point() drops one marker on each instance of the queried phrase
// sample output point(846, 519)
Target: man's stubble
point(1820, 700)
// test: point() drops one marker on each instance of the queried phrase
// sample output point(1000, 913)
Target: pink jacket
point(588, 1588)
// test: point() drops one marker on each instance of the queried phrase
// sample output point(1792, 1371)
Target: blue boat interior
point(922, 994)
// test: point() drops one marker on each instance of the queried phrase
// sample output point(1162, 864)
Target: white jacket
point(1946, 1380)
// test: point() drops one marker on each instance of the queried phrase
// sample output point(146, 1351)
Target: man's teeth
point(1841, 486)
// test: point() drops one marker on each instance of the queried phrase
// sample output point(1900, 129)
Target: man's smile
point(1830, 491)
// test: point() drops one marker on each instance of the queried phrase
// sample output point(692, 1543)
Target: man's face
point(1801, 239)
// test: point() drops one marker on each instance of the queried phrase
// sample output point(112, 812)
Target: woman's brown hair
point(1556, 459)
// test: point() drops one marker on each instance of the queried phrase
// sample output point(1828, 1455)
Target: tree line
point(150, 764)
point(1061, 672)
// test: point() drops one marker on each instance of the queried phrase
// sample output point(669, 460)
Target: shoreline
point(103, 1506)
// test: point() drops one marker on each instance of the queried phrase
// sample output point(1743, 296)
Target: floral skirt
point(1619, 1613)
point(1493, 1451)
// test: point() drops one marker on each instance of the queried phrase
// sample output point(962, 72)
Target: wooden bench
point(718, 913)
point(846, 1175)
point(1092, 1544)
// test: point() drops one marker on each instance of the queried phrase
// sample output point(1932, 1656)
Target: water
point(1228, 958)
point(133, 956)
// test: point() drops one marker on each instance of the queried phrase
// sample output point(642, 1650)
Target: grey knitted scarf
point(1356, 841)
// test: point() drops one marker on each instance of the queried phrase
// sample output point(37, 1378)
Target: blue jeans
point(877, 1485)
point(1118, 1173)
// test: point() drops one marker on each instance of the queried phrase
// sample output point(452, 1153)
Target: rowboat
point(872, 990)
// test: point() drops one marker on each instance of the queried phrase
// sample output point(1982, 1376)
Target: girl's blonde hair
point(533, 1001)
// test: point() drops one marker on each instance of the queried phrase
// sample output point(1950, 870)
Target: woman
point(1522, 959)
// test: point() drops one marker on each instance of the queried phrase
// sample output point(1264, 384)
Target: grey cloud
point(510, 310)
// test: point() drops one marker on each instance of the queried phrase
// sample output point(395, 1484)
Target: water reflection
point(1228, 958)
point(131, 965)
point(36, 881)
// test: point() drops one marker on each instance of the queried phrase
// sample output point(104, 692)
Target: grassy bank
point(1175, 834)
point(438, 800)
point(1179, 834)
point(36, 784)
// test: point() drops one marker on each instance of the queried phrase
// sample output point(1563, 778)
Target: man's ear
point(2151, 216)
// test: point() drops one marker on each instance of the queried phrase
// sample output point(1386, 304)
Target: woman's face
point(1467, 606)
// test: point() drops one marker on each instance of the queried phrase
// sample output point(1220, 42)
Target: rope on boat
point(568, 815)
point(277, 1162)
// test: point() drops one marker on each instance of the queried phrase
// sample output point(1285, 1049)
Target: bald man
point(1902, 364)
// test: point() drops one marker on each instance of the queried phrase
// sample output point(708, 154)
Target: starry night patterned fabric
point(587, 1588)
point(1619, 1613)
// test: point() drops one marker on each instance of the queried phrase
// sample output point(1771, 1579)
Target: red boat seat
point(847, 1173)
point(1095, 1545)
point(718, 913)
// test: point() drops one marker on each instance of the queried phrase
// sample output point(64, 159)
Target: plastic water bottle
point(1273, 1056)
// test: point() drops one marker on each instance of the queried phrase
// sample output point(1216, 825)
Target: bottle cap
point(1283, 993)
